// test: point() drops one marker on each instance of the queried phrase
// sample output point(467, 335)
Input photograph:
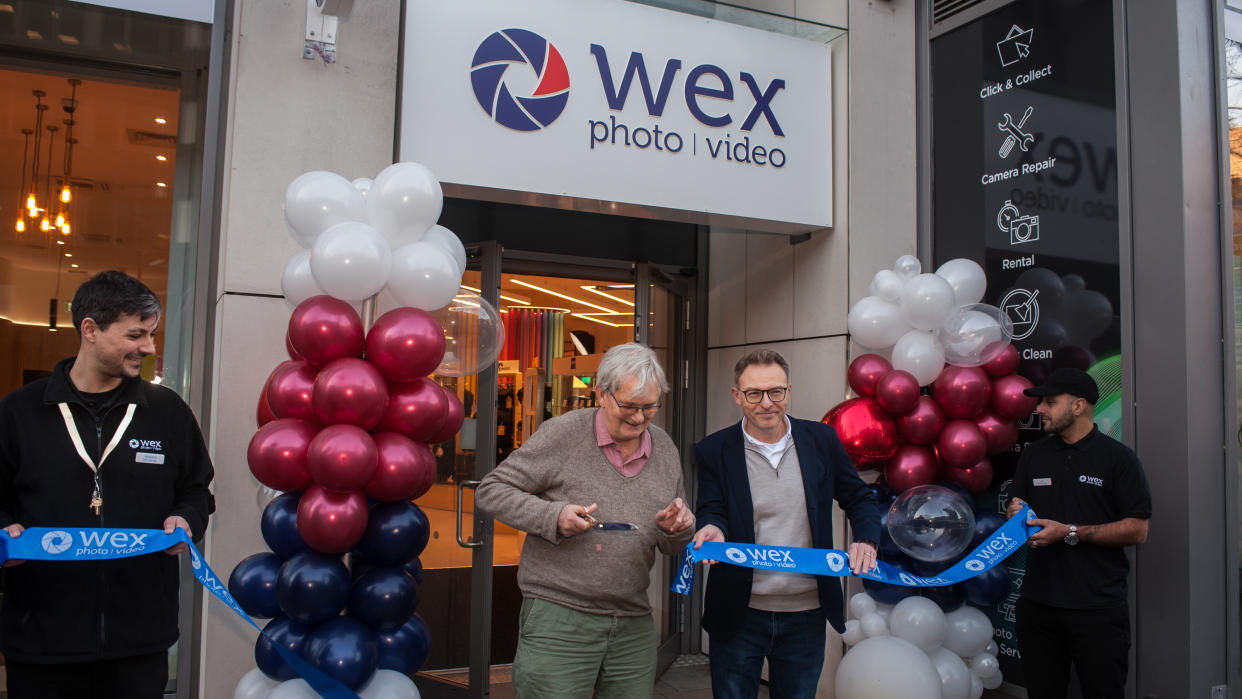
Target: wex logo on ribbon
point(93, 543)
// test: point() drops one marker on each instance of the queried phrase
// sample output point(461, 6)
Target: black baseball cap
point(1075, 382)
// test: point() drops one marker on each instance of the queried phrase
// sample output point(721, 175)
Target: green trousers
point(566, 654)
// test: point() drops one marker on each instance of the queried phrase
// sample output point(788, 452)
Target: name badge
point(143, 457)
point(1041, 481)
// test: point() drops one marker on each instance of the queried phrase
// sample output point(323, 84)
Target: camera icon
point(1022, 228)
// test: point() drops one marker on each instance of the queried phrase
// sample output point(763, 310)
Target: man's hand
point(862, 557)
point(172, 523)
point(1015, 504)
point(709, 533)
point(1053, 532)
point(14, 530)
point(675, 518)
point(571, 521)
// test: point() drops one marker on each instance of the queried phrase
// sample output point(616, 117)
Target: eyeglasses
point(647, 410)
point(776, 395)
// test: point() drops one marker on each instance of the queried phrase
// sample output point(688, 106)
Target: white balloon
point(853, 632)
point(919, 621)
point(955, 677)
point(449, 241)
point(317, 200)
point(861, 604)
point(992, 648)
point(884, 610)
point(298, 282)
point(989, 682)
point(875, 323)
point(918, 353)
point(873, 625)
point(388, 684)
point(977, 687)
point(907, 267)
point(351, 261)
point(885, 667)
point(363, 184)
point(984, 665)
point(887, 285)
point(969, 631)
point(424, 276)
point(967, 279)
point(254, 685)
point(405, 200)
point(926, 301)
point(293, 689)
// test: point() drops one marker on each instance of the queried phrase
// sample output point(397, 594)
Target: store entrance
point(560, 315)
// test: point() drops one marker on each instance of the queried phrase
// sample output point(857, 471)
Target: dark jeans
point(793, 643)
point(137, 677)
point(1095, 641)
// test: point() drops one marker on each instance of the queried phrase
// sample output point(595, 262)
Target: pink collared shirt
point(629, 467)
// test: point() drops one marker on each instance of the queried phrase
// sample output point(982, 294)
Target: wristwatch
point(1072, 537)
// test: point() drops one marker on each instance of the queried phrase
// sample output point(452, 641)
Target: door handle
point(466, 544)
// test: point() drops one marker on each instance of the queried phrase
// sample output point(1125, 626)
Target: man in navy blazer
point(771, 480)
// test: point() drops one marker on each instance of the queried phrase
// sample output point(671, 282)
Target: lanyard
point(72, 426)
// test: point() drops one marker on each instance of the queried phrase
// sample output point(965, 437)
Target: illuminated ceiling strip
point(602, 322)
point(612, 313)
point(594, 290)
point(560, 295)
point(522, 301)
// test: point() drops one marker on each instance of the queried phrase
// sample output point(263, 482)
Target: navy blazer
point(724, 500)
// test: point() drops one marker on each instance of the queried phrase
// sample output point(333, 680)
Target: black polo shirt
point(1092, 481)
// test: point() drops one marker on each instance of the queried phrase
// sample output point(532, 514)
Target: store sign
point(193, 10)
point(604, 100)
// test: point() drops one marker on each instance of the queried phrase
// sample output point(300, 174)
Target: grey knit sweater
point(594, 572)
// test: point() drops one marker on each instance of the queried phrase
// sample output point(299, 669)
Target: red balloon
point(405, 343)
point(868, 433)
point(350, 391)
point(323, 329)
point(865, 372)
point(342, 457)
point(289, 390)
point(293, 354)
point(999, 433)
point(975, 479)
point(277, 454)
point(331, 521)
point(1008, 399)
point(406, 468)
point(911, 466)
point(1004, 364)
point(453, 419)
point(417, 409)
point(961, 444)
point(897, 392)
point(962, 391)
point(923, 423)
point(263, 412)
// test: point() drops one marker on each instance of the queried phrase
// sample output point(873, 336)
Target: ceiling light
point(71, 40)
point(74, 265)
point(6, 8)
point(560, 295)
point(161, 184)
point(602, 322)
point(507, 297)
point(68, 254)
point(60, 242)
point(595, 290)
point(161, 120)
point(161, 158)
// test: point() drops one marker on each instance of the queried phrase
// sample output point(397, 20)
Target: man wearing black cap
point(1092, 500)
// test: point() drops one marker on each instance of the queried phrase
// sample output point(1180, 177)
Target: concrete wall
point(287, 115)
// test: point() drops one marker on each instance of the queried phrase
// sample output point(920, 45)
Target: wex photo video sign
point(605, 100)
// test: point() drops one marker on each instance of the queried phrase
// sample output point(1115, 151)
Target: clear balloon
point(931, 523)
point(887, 666)
point(907, 267)
point(254, 685)
point(875, 323)
point(351, 261)
point(404, 201)
point(919, 621)
point(954, 675)
point(926, 301)
point(887, 285)
point(317, 200)
point(967, 279)
point(918, 353)
point(424, 276)
point(298, 282)
point(389, 684)
point(474, 334)
point(968, 631)
point(263, 496)
point(975, 335)
point(449, 241)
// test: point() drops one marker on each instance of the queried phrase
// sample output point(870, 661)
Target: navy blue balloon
point(989, 588)
point(396, 532)
point(948, 597)
point(986, 522)
point(312, 587)
point(406, 648)
point(285, 632)
point(345, 649)
point(415, 569)
point(891, 594)
point(279, 525)
point(253, 584)
point(883, 493)
point(384, 597)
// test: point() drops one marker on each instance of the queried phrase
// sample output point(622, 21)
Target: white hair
point(630, 360)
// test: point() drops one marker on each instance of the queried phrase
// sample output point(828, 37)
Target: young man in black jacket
point(94, 445)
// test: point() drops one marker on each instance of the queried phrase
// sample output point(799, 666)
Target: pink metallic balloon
point(453, 419)
point(897, 392)
point(293, 354)
point(923, 423)
point(1004, 364)
point(911, 466)
point(331, 521)
point(1008, 399)
point(865, 372)
point(277, 453)
point(417, 409)
point(263, 412)
point(999, 433)
point(342, 457)
point(405, 344)
point(350, 391)
point(961, 444)
point(962, 391)
point(289, 390)
point(406, 470)
point(323, 329)
point(868, 433)
point(975, 479)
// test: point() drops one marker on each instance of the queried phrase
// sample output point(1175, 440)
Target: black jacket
point(724, 500)
point(56, 612)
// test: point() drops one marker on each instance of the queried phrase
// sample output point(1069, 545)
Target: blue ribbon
point(87, 544)
point(787, 559)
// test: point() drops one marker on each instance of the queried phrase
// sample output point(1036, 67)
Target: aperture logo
point(57, 542)
point(735, 555)
point(515, 48)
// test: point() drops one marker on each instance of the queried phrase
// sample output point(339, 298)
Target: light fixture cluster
point(34, 211)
